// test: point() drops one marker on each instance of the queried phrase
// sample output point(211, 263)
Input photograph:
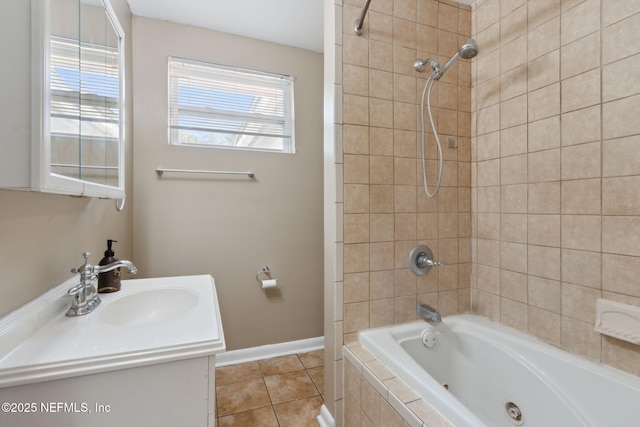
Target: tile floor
point(280, 392)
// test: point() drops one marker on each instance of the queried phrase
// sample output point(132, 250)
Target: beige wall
point(43, 236)
point(556, 220)
point(230, 227)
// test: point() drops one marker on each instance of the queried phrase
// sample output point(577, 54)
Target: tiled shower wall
point(385, 210)
point(556, 168)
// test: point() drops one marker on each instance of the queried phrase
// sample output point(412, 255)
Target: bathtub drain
point(513, 413)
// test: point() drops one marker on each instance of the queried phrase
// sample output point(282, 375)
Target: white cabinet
point(62, 98)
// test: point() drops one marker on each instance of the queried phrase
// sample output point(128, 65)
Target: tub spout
point(429, 313)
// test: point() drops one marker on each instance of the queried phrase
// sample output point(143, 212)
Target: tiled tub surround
point(556, 168)
point(386, 212)
point(554, 156)
point(375, 396)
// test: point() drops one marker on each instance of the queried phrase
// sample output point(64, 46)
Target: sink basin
point(148, 306)
point(149, 321)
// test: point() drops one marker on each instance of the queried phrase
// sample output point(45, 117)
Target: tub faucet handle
point(421, 260)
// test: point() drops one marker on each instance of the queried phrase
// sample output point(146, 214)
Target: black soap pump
point(109, 281)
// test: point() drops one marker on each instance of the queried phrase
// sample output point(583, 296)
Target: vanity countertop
point(148, 321)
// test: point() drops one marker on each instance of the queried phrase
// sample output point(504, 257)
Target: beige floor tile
point(317, 376)
point(234, 373)
point(299, 413)
point(263, 417)
point(280, 365)
point(241, 396)
point(290, 386)
point(312, 359)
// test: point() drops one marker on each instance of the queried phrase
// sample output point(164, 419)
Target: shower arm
point(357, 26)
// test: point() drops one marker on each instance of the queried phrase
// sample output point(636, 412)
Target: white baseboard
point(268, 351)
point(325, 419)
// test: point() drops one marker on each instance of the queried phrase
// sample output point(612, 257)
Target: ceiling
point(297, 23)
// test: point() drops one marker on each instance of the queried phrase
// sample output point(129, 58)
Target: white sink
point(148, 306)
point(148, 321)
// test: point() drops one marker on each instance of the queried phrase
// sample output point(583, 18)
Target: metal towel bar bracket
point(161, 170)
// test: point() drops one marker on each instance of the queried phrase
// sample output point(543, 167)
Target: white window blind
point(219, 106)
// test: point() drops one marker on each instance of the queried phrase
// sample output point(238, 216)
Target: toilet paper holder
point(264, 274)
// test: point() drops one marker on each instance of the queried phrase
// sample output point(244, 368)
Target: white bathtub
point(477, 371)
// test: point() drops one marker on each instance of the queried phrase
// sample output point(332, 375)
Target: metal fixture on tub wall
point(421, 260)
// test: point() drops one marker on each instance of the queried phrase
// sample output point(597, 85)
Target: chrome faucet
point(428, 313)
point(85, 295)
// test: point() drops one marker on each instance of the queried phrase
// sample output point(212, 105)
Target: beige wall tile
point(615, 11)
point(544, 230)
point(380, 169)
point(541, 11)
point(621, 235)
point(621, 355)
point(512, 83)
point(513, 170)
point(580, 56)
point(620, 79)
point(544, 198)
point(544, 324)
point(487, 13)
point(544, 102)
point(513, 112)
point(512, 55)
point(544, 70)
point(581, 232)
point(619, 117)
point(355, 110)
point(514, 22)
point(544, 166)
point(580, 21)
point(513, 198)
point(380, 56)
point(581, 126)
point(513, 256)
point(612, 48)
point(356, 228)
point(581, 196)
point(544, 134)
point(356, 316)
point(356, 198)
point(543, 39)
point(579, 337)
point(381, 141)
point(620, 196)
point(355, 139)
point(620, 274)
point(513, 228)
point(621, 156)
point(543, 261)
point(513, 285)
point(582, 268)
point(544, 293)
point(580, 161)
point(579, 302)
point(513, 140)
point(581, 91)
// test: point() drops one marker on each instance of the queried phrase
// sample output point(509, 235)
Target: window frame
point(220, 120)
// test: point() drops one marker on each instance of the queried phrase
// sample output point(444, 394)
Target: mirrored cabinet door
point(77, 126)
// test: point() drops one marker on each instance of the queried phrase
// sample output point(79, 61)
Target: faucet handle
point(84, 266)
point(75, 289)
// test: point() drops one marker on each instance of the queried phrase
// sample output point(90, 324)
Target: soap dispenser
point(109, 281)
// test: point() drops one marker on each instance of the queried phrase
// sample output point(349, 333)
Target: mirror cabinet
point(62, 99)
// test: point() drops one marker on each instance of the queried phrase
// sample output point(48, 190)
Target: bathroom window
point(218, 106)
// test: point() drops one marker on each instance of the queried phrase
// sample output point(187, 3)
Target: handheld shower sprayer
point(467, 51)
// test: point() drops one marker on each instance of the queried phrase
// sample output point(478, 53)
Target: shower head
point(467, 51)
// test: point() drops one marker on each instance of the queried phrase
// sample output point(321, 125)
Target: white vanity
point(145, 357)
